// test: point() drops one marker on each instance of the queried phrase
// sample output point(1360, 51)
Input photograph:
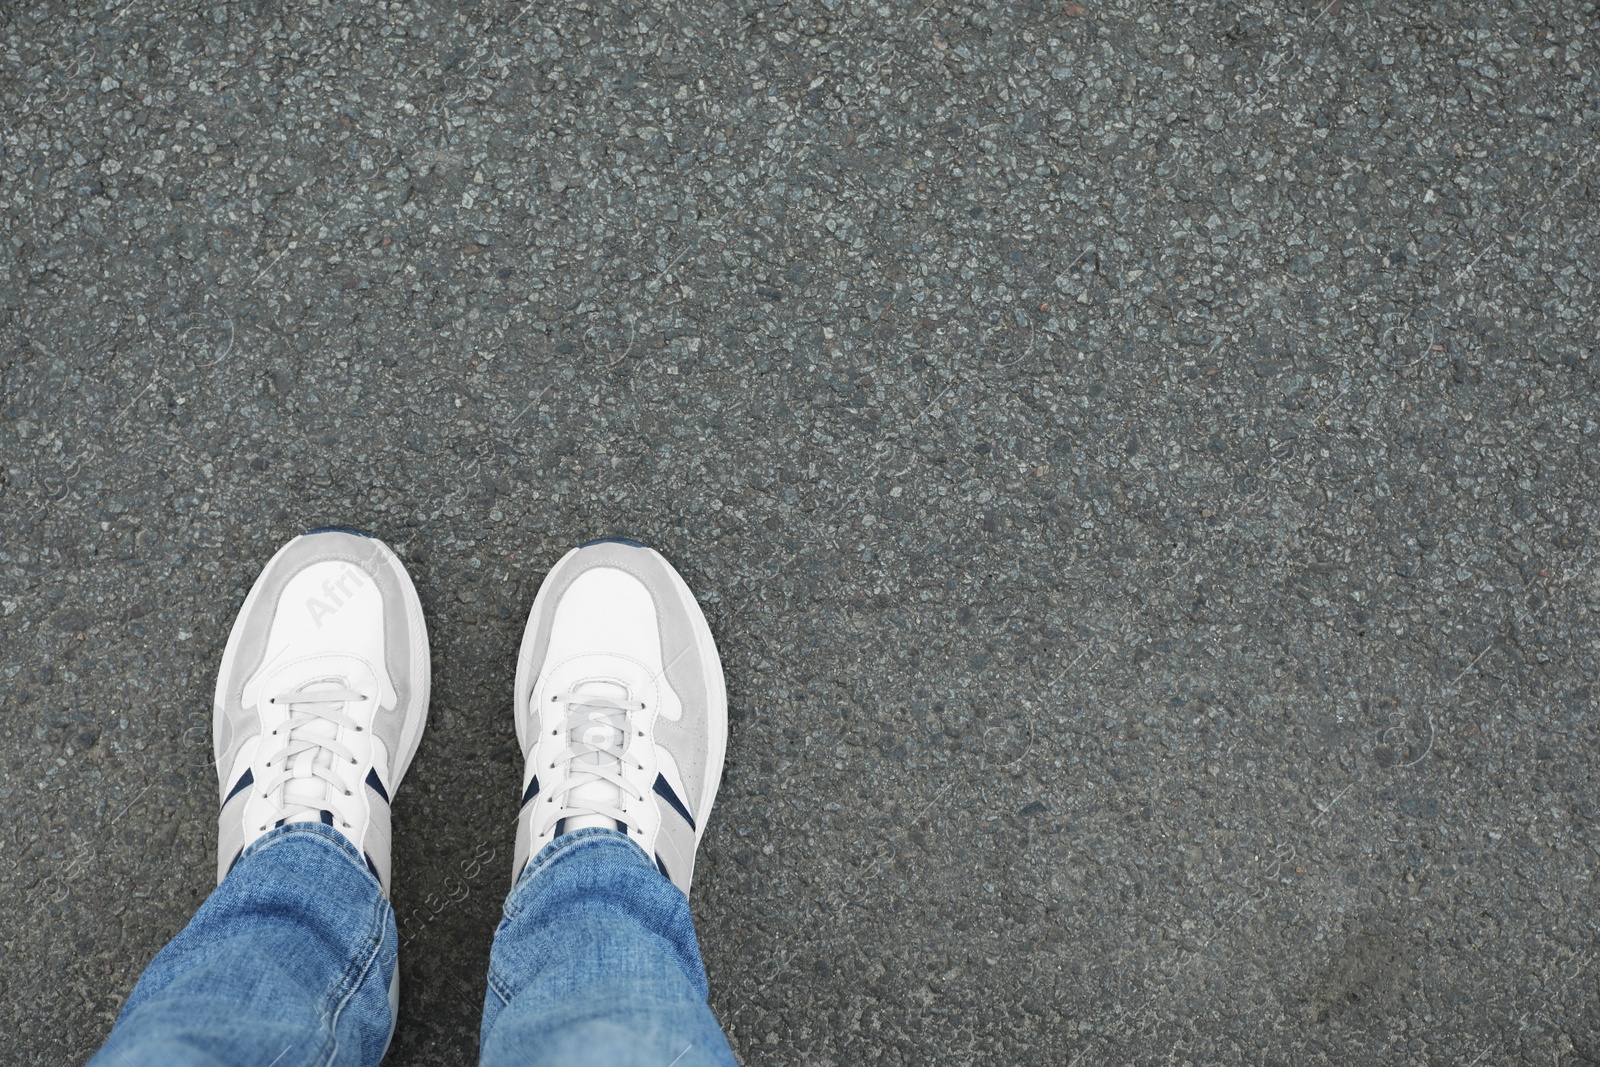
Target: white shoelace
point(313, 771)
point(589, 777)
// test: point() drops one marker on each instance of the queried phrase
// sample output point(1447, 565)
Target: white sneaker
point(322, 696)
point(621, 709)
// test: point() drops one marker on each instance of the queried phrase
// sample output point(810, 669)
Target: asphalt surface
point(1139, 461)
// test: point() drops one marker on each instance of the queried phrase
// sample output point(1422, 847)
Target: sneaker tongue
point(595, 733)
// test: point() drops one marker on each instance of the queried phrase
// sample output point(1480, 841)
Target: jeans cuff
point(565, 845)
point(340, 844)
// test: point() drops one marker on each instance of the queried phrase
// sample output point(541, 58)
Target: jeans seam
point(352, 980)
point(496, 987)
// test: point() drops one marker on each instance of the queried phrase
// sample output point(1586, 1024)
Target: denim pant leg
point(596, 963)
point(288, 963)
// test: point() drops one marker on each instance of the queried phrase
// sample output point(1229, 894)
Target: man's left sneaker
point(322, 696)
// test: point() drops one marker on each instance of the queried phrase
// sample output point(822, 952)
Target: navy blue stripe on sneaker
point(235, 862)
point(662, 867)
point(327, 817)
point(376, 784)
point(622, 827)
point(664, 791)
point(532, 790)
point(561, 828)
point(373, 867)
point(246, 780)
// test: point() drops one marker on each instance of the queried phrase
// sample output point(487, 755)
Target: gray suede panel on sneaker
point(524, 852)
point(686, 738)
point(675, 846)
point(379, 842)
point(230, 836)
point(233, 726)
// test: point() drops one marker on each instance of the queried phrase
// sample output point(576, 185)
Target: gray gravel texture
point(1139, 460)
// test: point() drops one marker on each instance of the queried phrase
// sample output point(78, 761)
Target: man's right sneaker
point(621, 709)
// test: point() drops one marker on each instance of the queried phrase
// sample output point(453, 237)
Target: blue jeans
point(291, 962)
